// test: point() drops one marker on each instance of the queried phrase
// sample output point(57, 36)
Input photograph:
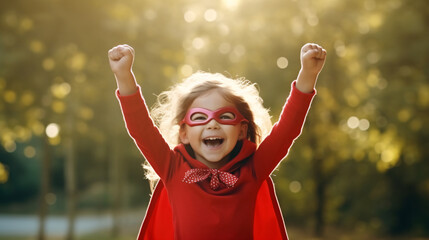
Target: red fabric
point(248, 210)
point(160, 223)
point(268, 221)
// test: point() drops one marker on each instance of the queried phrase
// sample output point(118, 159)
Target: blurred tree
point(359, 163)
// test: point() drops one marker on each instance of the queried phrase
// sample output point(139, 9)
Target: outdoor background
point(360, 170)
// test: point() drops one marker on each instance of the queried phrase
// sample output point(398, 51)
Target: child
point(215, 183)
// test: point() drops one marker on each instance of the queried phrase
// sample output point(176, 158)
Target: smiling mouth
point(213, 141)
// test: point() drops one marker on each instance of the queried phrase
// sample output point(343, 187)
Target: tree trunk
point(320, 207)
point(116, 189)
point(70, 179)
point(320, 181)
point(45, 186)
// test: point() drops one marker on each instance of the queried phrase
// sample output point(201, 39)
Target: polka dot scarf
point(200, 174)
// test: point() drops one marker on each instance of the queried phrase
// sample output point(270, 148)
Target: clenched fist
point(121, 59)
point(313, 58)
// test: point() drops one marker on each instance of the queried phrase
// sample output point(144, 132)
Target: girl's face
point(212, 142)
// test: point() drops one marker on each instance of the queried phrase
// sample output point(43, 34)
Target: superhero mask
point(202, 116)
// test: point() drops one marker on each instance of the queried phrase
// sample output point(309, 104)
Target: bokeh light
point(198, 43)
point(295, 186)
point(190, 16)
point(363, 124)
point(52, 130)
point(48, 64)
point(282, 62)
point(51, 198)
point(4, 174)
point(353, 122)
point(10, 146)
point(210, 15)
point(186, 70)
point(60, 90)
point(29, 151)
point(9, 96)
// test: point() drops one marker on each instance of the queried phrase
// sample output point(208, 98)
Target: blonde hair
point(173, 104)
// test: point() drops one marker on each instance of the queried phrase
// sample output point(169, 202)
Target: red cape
point(268, 221)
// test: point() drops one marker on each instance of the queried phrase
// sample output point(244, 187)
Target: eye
point(198, 117)
point(227, 116)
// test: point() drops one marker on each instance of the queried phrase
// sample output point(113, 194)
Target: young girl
point(215, 183)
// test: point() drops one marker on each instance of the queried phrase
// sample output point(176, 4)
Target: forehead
point(211, 100)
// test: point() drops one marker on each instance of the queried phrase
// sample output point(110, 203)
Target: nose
point(213, 124)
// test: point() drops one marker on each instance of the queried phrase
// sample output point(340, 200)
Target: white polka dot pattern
point(217, 177)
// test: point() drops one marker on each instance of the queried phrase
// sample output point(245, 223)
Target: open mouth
point(213, 141)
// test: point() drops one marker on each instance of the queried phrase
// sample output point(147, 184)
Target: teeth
point(213, 141)
point(212, 138)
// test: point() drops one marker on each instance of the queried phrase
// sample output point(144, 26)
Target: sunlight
point(231, 4)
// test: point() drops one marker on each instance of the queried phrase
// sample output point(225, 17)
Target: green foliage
point(360, 162)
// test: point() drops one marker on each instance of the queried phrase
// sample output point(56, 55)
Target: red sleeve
point(276, 145)
point(145, 134)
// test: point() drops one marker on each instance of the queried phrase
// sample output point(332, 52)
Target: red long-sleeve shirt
point(249, 210)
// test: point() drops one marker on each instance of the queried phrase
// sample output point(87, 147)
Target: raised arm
point(136, 115)
point(276, 145)
point(121, 60)
point(312, 60)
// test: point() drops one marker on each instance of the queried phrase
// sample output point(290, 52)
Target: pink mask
point(202, 116)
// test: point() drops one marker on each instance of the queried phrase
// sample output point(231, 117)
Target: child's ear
point(243, 131)
point(183, 135)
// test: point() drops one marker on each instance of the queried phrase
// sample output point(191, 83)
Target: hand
point(313, 58)
point(121, 59)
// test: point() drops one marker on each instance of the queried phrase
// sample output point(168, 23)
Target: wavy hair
point(172, 105)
